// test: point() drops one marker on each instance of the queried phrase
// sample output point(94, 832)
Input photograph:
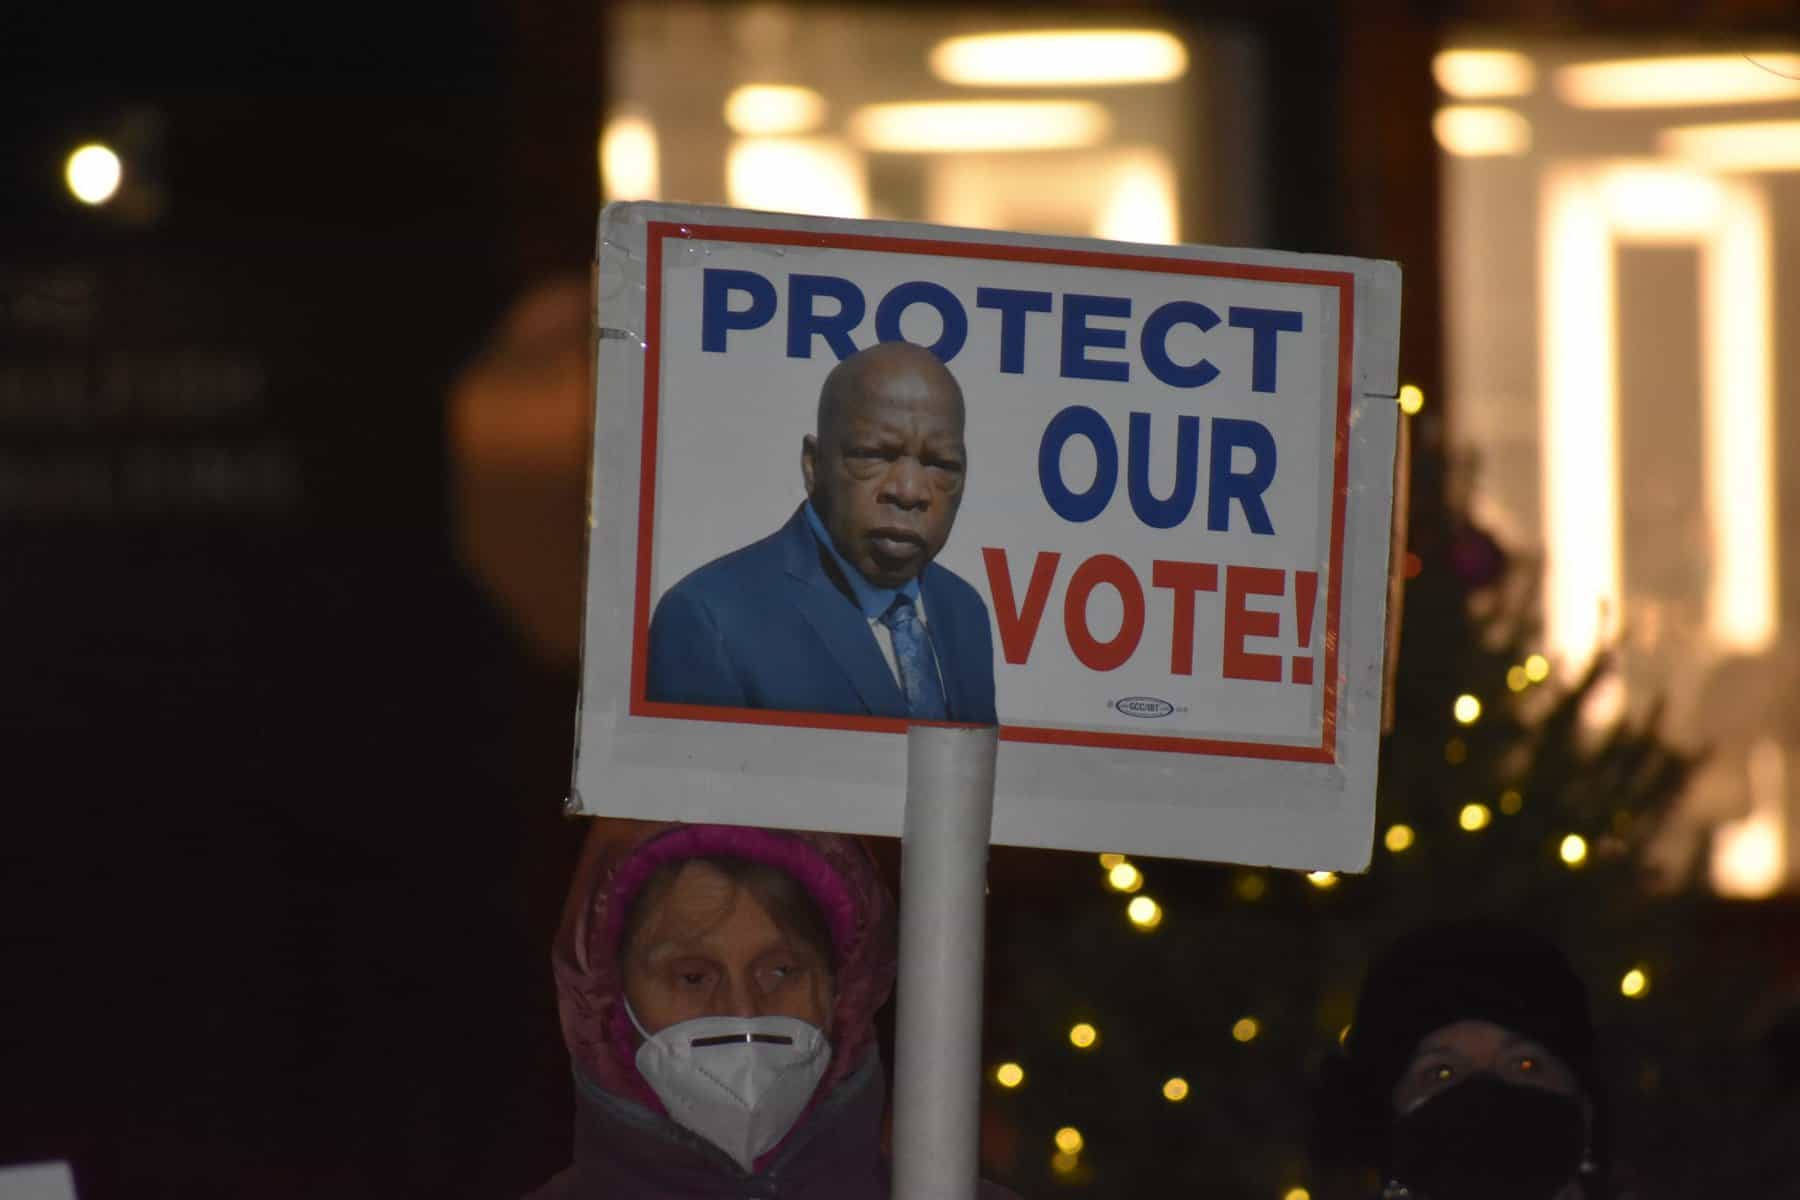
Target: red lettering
point(1096, 655)
point(1306, 595)
point(1184, 578)
point(1018, 624)
point(1242, 621)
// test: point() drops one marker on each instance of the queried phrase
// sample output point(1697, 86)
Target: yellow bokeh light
point(1480, 74)
point(1398, 838)
point(1064, 1163)
point(1574, 850)
point(818, 175)
point(1175, 1089)
point(1466, 710)
point(1322, 879)
point(1060, 58)
point(1475, 817)
point(1083, 1036)
point(946, 126)
point(1246, 1029)
point(1250, 886)
point(1124, 878)
point(1344, 1036)
point(1481, 130)
point(1537, 668)
point(630, 162)
point(93, 173)
point(769, 109)
point(1635, 983)
point(1144, 912)
point(1109, 861)
point(1456, 751)
point(1069, 1140)
point(1679, 80)
point(1511, 802)
point(1412, 399)
point(1516, 679)
point(1009, 1075)
point(1296, 1193)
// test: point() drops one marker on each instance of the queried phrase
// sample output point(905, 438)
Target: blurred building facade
point(1621, 228)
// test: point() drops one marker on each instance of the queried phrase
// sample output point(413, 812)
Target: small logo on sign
point(1144, 706)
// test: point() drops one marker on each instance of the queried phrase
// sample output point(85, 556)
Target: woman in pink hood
point(718, 988)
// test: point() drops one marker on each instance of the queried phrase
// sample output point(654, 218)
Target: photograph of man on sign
point(843, 610)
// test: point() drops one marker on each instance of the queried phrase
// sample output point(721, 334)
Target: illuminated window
point(1036, 122)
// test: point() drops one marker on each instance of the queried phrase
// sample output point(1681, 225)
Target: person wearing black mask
point(1468, 1070)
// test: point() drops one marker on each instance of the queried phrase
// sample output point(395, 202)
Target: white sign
point(1151, 538)
point(39, 1181)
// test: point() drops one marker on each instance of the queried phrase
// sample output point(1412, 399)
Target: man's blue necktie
point(918, 666)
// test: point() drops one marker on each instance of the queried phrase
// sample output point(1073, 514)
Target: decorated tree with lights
point(1158, 1031)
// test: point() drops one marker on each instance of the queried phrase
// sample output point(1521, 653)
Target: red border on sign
point(1345, 283)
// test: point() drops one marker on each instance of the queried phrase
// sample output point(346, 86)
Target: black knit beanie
point(1472, 969)
point(1479, 969)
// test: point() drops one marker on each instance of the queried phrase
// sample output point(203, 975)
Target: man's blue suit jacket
point(766, 627)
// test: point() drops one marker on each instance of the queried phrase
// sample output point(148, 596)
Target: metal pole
point(943, 896)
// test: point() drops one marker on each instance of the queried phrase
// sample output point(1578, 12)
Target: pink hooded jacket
point(625, 1143)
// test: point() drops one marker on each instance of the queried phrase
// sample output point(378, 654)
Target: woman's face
point(1447, 1056)
point(707, 948)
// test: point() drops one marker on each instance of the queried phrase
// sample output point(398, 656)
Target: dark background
point(280, 834)
point(281, 842)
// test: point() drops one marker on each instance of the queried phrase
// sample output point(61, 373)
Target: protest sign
point(1157, 553)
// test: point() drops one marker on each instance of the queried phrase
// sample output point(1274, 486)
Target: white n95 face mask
point(738, 1082)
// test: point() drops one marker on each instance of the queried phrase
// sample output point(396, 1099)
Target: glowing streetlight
point(93, 173)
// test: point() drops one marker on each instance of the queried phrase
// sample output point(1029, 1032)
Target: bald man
point(843, 610)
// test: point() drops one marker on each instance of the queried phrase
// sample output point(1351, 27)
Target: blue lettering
point(1267, 323)
point(1078, 420)
point(949, 309)
point(1012, 305)
point(803, 322)
point(1172, 511)
point(1078, 337)
point(716, 314)
point(1153, 342)
point(1223, 486)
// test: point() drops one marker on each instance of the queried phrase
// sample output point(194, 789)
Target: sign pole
point(943, 897)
